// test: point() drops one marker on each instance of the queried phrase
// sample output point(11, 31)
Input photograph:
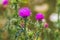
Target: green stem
point(58, 14)
point(16, 13)
point(25, 31)
point(37, 35)
point(16, 9)
point(39, 31)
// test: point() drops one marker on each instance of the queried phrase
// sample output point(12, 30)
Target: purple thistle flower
point(24, 12)
point(39, 16)
point(4, 2)
point(46, 25)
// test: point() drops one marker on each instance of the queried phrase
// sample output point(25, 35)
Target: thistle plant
point(39, 17)
point(24, 13)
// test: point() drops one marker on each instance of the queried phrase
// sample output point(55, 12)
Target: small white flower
point(54, 17)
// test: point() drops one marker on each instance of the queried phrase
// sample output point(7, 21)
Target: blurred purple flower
point(46, 25)
point(24, 12)
point(4, 2)
point(39, 16)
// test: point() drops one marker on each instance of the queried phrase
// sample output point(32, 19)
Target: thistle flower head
point(46, 25)
point(39, 16)
point(24, 12)
point(4, 2)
